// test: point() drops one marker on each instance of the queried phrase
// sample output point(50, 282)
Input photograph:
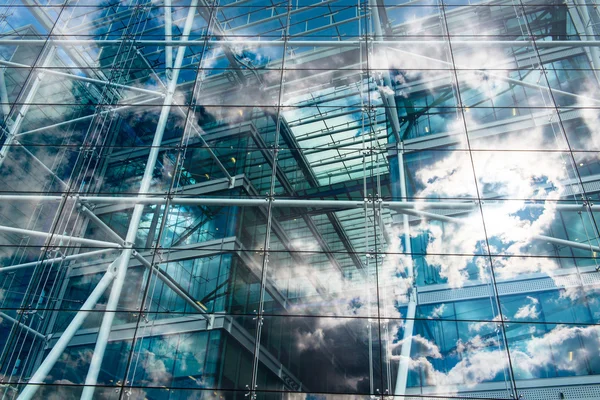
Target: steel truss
point(308, 43)
point(403, 207)
point(115, 273)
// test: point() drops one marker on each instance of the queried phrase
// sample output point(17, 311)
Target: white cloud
point(437, 312)
point(515, 176)
point(470, 371)
point(425, 347)
point(310, 340)
point(482, 359)
point(394, 275)
point(308, 244)
point(528, 311)
point(591, 119)
point(485, 325)
point(155, 369)
point(554, 348)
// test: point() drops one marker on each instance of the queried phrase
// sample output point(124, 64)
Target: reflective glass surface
point(310, 199)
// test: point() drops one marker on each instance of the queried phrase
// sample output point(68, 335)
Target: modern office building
point(299, 199)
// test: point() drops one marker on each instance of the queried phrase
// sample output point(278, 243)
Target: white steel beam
point(41, 163)
point(115, 294)
point(4, 96)
point(16, 124)
point(392, 113)
point(307, 43)
point(417, 206)
point(89, 254)
point(404, 364)
point(21, 325)
point(50, 71)
point(87, 117)
point(65, 240)
point(215, 158)
point(114, 236)
point(46, 366)
point(165, 278)
point(168, 38)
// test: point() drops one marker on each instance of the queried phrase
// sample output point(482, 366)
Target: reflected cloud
point(528, 311)
point(510, 231)
point(155, 369)
point(310, 340)
point(591, 118)
point(437, 312)
point(482, 359)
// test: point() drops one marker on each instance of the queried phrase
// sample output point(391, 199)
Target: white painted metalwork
point(115, 294)
point(42, 371)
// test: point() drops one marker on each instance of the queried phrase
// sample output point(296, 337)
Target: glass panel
point(340, 355)
point(311, 199)
point(448, 355)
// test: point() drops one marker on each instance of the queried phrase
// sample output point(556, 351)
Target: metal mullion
point(461, 114)
point(334, 132)
point(176, 175)
point(100, 139)
point(48, 70)
point(376, 204)
point(325, 116)
point(586, 202)
point(367, 154)
point(86, 117)
point(278, 16)
point(34, 388)
point(270, 197)
point(30, 389)
point(47, 55)
point(317, 29)
point(303, 43)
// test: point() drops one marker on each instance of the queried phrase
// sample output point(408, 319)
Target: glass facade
point(299, 199)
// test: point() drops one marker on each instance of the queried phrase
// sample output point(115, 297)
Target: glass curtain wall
point(299, 199)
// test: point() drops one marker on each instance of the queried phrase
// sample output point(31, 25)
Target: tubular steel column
point(115, 294)
point(391, 111)
point(270, 201)
point(70, 239)
point(581, 19)
point(168, 39)
point(409, 323)
point(42, 371)
point(82, 78)
point(305, 43)
point(16, 125)
point(4, 95)
point(389, 99)
point(92, 254)
point(23, 326)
